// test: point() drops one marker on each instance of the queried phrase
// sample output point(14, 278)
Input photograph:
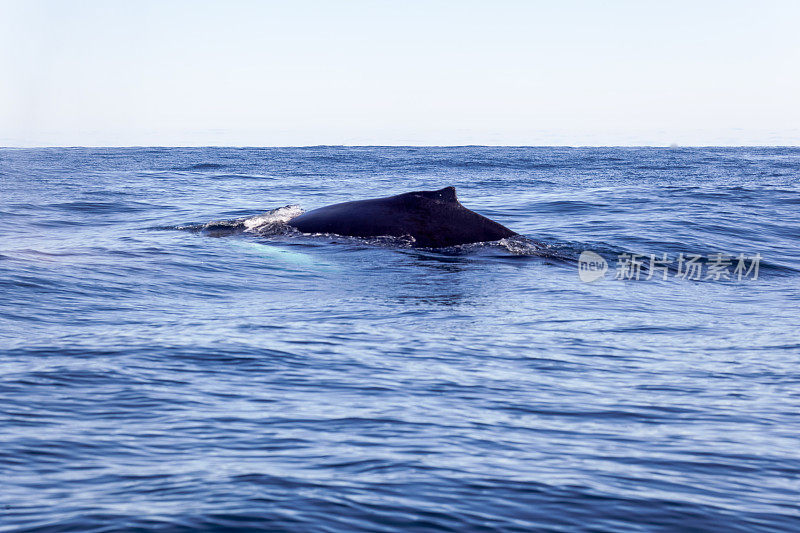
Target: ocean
point(174, 358)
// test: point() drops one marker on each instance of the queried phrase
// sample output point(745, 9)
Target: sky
point(296, 73)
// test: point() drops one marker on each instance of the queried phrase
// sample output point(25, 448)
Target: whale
point(432, 219)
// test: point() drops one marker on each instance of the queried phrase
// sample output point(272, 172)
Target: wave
point(202, 166)
point(272, 222)
point(266, 220)
point(102, 207)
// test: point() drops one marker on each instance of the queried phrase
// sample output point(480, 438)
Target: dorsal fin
point(447, 195)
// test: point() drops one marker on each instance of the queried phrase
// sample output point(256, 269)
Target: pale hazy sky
point(253, 73)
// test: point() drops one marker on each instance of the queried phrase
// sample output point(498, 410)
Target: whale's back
point(432, 218)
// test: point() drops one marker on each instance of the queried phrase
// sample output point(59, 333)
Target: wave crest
point(281, 215)
point(271, 222)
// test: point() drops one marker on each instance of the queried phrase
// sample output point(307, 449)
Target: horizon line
point(675, 145)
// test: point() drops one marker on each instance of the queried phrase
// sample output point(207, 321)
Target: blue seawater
point(158, 375)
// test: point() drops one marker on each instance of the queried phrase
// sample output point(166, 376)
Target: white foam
point(276, 216)
point(519, 245)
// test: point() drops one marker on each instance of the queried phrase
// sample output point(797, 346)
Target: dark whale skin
point(435, 219)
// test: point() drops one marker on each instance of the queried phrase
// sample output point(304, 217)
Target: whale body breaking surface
point(433, 219)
